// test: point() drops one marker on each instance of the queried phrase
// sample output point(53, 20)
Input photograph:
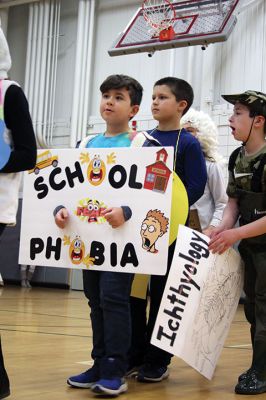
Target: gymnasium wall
point(235, 65)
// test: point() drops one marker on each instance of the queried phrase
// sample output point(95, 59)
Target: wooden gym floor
point(46, 337)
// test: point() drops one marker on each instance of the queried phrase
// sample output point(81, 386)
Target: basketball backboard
point(195, 22)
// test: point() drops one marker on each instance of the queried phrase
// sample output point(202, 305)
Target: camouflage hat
point(255, 101)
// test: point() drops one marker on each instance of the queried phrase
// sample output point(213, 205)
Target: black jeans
point(108, 294)
point(254, 257)
point(2, 227)
point(141, 350)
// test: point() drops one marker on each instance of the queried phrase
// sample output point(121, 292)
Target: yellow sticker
point(179, 207)
point(139, 286)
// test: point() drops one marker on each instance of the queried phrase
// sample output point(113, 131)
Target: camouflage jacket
point(247, 173)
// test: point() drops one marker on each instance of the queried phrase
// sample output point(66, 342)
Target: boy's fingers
point(213, 234)
point(223, 248)
point(60, 223)
point(218, 246)
point(214, 245)
point(64, 213)
point(61, 218)
point(106, 211)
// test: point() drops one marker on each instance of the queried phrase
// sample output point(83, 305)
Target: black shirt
point(18, 121)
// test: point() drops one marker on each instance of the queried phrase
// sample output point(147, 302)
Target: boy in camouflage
point(247, 202)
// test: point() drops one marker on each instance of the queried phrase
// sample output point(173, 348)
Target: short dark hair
point(255, 112)
point(181, 89)
point(123, 81)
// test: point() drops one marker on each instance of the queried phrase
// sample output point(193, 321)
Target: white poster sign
point(199, 302)
point(87, 182)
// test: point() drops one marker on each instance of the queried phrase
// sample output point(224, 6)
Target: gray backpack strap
point(140, 138)
point(232, 161)
point(85, 141)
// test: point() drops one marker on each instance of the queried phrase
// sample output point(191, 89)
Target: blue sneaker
point(152, 373)
point(112, 387)
point(85, 379)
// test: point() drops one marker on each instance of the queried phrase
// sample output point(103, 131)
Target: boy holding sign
point(172, 97)
point(247, 201)
point(108, 292)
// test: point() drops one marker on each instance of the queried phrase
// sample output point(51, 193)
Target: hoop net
point(158, 14)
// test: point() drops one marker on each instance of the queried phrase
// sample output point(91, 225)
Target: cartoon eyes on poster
point(87, 182)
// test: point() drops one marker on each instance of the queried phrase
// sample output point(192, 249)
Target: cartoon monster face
point(76, 250)
point(96, 171)
point(93, 210)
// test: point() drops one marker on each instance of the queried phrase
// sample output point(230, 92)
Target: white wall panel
point(65, 69)
point(241, 62)
point(17, 40)
point(230, 67)
point(223, 67)
point(111, 21)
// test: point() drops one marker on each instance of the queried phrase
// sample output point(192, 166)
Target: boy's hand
point(215, 231)
point(114, 216)
point(61, 218)
point(222, 241)
point(208, 231)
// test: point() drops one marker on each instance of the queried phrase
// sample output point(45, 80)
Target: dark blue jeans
point(108, 294)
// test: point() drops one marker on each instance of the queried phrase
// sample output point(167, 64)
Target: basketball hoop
point(160, 16)
point(169, 24)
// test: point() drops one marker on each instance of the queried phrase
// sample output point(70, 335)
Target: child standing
point(247, 202)
point(17, 153)
point(109, 292)
point(172, 97)
point(211, 205)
